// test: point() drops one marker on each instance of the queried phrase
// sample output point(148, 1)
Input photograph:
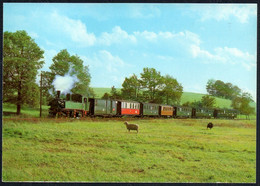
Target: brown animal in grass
point(131, 126)
point(210, 125)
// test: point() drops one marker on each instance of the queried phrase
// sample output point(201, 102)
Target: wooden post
point(41, 96)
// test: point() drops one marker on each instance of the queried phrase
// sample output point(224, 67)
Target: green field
point(25, 111)
point(101, 150)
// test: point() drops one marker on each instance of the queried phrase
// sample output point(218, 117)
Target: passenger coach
point(102, 107)
point(130, 108)
point(166, 110)
point(149, 109)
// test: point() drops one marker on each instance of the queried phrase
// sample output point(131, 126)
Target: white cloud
point(116, 36)
point(48, 55)
point(75, 29)
point(165, 58)
point(144, 11)
point(196, 51)
point(112, 63)
point(150, 36)
point(236, 56)
point(105, 60)
point(33, 35)
point(106, 69)
point(226, 11)
point(225, 55)
point(185, 37)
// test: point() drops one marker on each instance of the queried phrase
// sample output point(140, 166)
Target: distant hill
point(186, 96)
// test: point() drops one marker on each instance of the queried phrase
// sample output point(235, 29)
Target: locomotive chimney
point(58, 93)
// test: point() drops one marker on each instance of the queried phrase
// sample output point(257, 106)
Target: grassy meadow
point(102, 150)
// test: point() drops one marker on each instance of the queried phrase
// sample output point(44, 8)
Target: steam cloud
point(64, 83)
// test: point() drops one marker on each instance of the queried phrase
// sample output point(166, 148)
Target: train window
point(85, 100)
point(76, 98)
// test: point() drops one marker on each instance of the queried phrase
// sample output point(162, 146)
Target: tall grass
point(95, 150)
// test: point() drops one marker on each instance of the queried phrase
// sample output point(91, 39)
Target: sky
point(190, 42)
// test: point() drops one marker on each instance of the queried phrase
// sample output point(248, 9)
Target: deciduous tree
point(208, 101)
point(151, 82)
point(171, 89)
point(131, 88)
point(64, 63)
point(22, 57)
point(242, 103)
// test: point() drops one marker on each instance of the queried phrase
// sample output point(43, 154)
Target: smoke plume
point(64, 83)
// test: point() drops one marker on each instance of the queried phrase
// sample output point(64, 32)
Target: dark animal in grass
point(131, 126)
point(210, 125)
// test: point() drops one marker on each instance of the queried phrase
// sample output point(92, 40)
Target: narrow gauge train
point(75, 105)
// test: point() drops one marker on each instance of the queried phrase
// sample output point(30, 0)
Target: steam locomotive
point(75, 105)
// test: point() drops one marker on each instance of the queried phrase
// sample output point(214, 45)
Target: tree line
point(240, 100)
point(22, 58)
point(151, 87)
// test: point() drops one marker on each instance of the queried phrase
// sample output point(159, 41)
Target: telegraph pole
point(41, 96)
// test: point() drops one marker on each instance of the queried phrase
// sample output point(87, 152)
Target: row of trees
point(151, 87)
point(224, 90)
point(240, 100)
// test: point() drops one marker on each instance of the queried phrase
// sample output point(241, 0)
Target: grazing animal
point(210, 125)
point(131, 126)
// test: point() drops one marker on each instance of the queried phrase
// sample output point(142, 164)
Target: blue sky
point(191, 42)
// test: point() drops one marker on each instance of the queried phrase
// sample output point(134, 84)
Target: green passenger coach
point(102, 107)
point(149, 109)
